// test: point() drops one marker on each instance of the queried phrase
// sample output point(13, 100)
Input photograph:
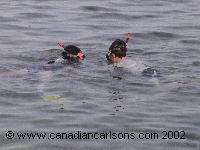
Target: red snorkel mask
point(80, 55)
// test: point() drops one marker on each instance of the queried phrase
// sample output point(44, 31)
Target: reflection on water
point(117, 99)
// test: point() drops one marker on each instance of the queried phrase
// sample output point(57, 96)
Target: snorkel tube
point(128, 36)
point(61, 44)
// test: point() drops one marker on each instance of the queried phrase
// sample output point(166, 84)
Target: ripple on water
point(35, 15)
point(196, 42)
point(7, 19)
point(97, 8)
point(13, 27)
point(155, 35)
point(184, 27)
point(196, 63)
point(114, 16)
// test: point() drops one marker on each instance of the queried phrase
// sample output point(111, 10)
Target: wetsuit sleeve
point(150, 72)
point(51, 62)
point(57, 61)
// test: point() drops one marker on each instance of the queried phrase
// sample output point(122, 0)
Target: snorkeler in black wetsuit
point(117, 53)
point(70, 54)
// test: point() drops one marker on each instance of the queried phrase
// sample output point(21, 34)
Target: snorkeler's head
point(117, 51)
point(71, 51)
point(118, 47)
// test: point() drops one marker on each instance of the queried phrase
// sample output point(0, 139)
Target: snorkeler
point(70, 54)
point(117, 54)
point(117, 50)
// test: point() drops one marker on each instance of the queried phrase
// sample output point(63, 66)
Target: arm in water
point(75, 70)
point(14, 73)
point(35, 69)
point(181, 83)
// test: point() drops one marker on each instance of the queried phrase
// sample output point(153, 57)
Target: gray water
point(165, 34)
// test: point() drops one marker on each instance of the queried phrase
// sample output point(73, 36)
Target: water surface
point(165, 34)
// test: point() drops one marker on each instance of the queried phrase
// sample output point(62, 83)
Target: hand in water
point(14, 73)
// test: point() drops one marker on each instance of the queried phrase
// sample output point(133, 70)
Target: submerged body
point(69, 56)
point(136, 67)
point(117, 56)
